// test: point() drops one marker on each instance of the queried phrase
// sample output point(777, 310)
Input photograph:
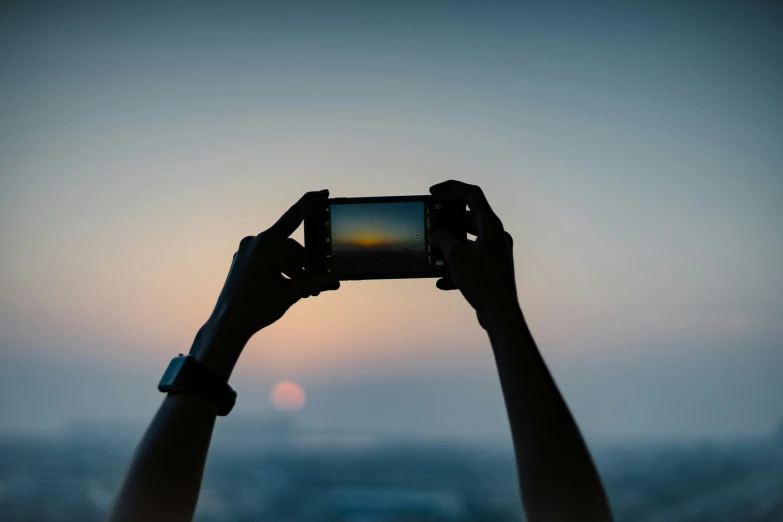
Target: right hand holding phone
point(483, 270)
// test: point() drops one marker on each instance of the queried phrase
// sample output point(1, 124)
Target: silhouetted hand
point(266, 278)
point(483, 270)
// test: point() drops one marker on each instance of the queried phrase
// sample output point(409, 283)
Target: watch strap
point(186, 375)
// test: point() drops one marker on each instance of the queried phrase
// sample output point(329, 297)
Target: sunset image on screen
point(377, 238)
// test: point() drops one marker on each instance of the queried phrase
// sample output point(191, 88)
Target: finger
point(456, 253)
point(313, 285)
point(459, 260)
point(472, 194)
point(449, 244)
point(292, 271)
point(294, 216)
point(293, 252)
point(470, 223)
point(288, 258)
point(510, 243)
point(446, 283)
point(245, 243)
point(487, 223)
point(510, 247)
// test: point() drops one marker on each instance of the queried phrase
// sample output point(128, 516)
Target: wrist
point(508, 330)
point(498, 320)
point(217, 347)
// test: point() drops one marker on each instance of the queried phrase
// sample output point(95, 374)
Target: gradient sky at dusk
point(378, 224)
point(633, 149)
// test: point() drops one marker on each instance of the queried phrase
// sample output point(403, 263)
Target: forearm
point(557, 476)
point(165, 475)
point(267, 276)
point(164, 478)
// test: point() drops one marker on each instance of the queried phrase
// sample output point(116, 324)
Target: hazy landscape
point(273, 471)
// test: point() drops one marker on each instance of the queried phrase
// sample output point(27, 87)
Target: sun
point(368, 238)
point(288, 396)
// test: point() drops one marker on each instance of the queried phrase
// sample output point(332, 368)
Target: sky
point(378, 224)
point(633, 149)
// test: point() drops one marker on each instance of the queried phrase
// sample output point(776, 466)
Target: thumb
point(456, 253)
point(446, 241)
point(461, 263)
point(448, 244)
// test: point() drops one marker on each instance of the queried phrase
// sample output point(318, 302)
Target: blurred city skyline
point(632, 149)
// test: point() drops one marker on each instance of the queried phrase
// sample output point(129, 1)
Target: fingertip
point(438, 188)
point(451, 187)
point(328, 284)
point(320, 197)
point(317, 194)
point(445, 283)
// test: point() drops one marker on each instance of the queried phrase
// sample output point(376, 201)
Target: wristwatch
point(186, 375)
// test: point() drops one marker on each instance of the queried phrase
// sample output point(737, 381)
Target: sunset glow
point(368, 238)
point(140, 145)
point(377, 225)
point(287, 395)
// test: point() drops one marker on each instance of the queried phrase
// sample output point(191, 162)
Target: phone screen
point(379, 238)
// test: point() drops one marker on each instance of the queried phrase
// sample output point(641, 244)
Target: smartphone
point(381, 238)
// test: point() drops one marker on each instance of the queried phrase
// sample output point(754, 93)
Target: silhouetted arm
point(164, 478)
point(556, 473)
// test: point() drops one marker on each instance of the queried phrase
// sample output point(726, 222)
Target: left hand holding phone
point(267, 277)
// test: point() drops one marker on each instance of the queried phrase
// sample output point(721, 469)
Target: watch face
point(170, 376)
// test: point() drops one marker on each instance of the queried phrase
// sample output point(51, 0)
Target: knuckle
point(458, 253)
point(494, 224)
point(245, 243)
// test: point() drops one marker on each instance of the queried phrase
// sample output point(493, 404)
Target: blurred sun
point(368, 238)
point(287, 395)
